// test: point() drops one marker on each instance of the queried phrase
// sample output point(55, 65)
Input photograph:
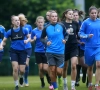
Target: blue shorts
point(29, 52)
point(18, 56)
point(92, 55)
point(1, 55)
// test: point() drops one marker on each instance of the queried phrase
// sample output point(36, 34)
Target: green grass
point(7, 83)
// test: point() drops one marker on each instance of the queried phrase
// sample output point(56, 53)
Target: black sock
point(48, 79)
point(78, 72)
point(42, 80)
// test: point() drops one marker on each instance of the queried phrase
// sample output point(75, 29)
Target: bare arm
point(28, 39)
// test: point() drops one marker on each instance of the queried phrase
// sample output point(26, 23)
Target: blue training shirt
point(90, 26)
point(2, 31)
point(81, 39)
point(55, 34)
point(29, 28)
point(17, 44)
point(39, 46)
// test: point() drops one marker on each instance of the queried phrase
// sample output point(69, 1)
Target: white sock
point(65, 80)
point(72, 83)
point(16, 83)
point(96, 85)
point(90, 84)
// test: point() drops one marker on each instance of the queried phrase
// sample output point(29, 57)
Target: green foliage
point(31, 8)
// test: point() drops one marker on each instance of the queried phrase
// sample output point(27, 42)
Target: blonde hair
point(39, 17)
point(22, 17)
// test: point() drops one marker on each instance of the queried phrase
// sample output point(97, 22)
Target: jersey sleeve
point(7, 34)
point(81, 32)
point(77, 30)
point(64, 31)
point(25, 31)
point(43, 35)
point(30, 29)
point(32, 34)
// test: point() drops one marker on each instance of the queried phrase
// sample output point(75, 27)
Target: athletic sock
point(26, 74)
point(55, 85)
point(16, 82)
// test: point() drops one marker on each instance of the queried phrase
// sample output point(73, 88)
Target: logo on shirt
point(26, 28)
point(89, 23)
point(58, 30)
point(17, 37)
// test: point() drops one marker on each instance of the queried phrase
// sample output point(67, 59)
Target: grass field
point(7, 83)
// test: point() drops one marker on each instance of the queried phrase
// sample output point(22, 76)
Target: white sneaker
point(73, 88)
point(21, 85)
point(65, 87)
point(26, 84)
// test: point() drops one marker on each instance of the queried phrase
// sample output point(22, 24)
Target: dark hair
point(65, 12)
point(92, 8)
point(80, 13)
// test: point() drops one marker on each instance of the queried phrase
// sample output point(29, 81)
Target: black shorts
point(81, 52)
point(40, 58)
point(1, 55)
point(71, 51)
point(18, 56)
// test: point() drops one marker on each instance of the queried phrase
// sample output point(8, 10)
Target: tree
point(31, 8)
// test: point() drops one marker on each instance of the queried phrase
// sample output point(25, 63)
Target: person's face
point(22, 22)
point(53, 17)
point(47, 15)
point(16, 21)
point(99, 14)
point(76, 16)
point(40, 23)
point(93, 14)
point(69, 15)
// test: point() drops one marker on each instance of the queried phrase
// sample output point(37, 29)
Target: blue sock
point(26, 74)
point(59, 76)
point(54, 85)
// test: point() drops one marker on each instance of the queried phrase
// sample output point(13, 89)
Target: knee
point(90, 69)
point(73, 67)
point(45, 69)
point(41, 69)
point(60, 72)
point(64, 68)
point(22, 71)
point(98, 66)
point(52, 73)
point(15, 70)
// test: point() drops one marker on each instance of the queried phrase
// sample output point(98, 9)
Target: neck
point(15, 27)
point(77, 20)
point(68, 21)
point(40, 28)
point(93, 19)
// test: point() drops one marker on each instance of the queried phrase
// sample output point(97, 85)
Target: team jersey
point(2, 33)
point(17, 44)
point(55, 33)
point(29, 28)
point(39, 46)
point(90, 26)
point(81, 40)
